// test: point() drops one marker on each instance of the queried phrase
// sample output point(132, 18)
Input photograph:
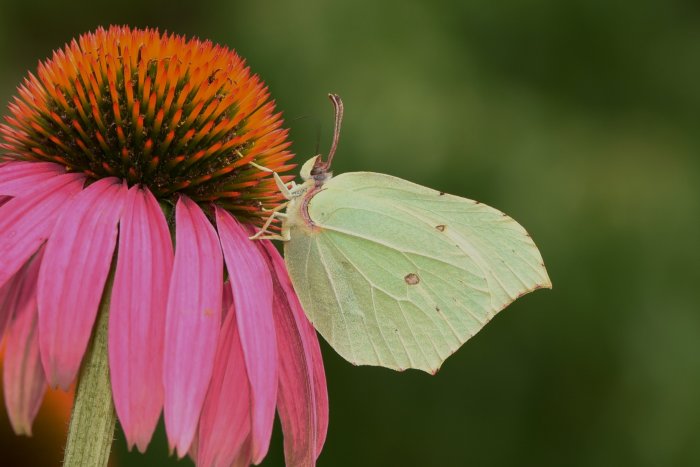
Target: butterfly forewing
point(399, 275)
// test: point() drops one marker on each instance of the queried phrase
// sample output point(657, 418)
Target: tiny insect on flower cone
point(123, 142)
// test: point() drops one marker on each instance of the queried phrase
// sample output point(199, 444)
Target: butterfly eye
point(318, 168)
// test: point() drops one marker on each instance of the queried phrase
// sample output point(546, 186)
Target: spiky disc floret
point(176, 115)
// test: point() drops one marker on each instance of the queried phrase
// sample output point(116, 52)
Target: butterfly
point(395, 274)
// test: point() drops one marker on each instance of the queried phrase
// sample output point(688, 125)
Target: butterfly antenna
point(318, 139)
point(338, 105)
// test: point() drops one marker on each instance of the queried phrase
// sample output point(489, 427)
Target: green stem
point(92, 421)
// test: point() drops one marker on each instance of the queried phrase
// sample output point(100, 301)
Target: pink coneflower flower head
point(123, 142)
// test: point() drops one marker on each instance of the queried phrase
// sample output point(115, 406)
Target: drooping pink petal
point(17, 178)
point(251, 285)
point(244, 458)
point(320, 385)
point(226, 415)
point(73, 274)
point(24, 382)
point(137, 316)
point(311, 339)
point(193, 319)
point(27, 221)
point(302, 401)
point(295, 400)
point(194, 448)
point(226, 300)
point(9, 294)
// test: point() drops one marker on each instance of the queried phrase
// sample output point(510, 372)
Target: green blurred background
point(578, 118)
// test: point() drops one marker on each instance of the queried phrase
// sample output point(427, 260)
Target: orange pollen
point(175, 115)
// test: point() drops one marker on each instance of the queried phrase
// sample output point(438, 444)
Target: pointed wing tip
point(545, 284)
point(540, 285)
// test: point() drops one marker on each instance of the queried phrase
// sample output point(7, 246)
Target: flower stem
point(92, 421)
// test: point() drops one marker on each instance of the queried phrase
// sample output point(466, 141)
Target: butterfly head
point(306, 172)
point(315, 169)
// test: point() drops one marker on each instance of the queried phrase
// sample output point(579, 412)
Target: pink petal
point(251, 285)
point(27, 221)
point(73, 274)
point(226, 300)
point(192, 324)
point(244, 458)
point(311, 339)
point(9, 294)
point(226, 415)
point(194, 448)
point(302, 401)
point(18, 178)
point(24, 382)
point(11, 297)
point(137, 316)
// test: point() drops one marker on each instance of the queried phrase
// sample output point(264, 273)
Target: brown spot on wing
point(441, 227)
point(412, 279)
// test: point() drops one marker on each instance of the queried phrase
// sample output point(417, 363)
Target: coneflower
point(123, 142)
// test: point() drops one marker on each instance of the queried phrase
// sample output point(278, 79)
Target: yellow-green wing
point(399, 275)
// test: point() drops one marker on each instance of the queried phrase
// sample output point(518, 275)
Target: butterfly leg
point(275, 212)
point(260, 234)
point(287, 191)
point(266, 225)
point(283, 237)
point(278, 208)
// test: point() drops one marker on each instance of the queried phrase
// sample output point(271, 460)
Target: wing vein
point(338, 301)
point(431, 316)
point(374, 308)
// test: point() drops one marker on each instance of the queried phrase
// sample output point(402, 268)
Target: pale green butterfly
point(396, 274)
